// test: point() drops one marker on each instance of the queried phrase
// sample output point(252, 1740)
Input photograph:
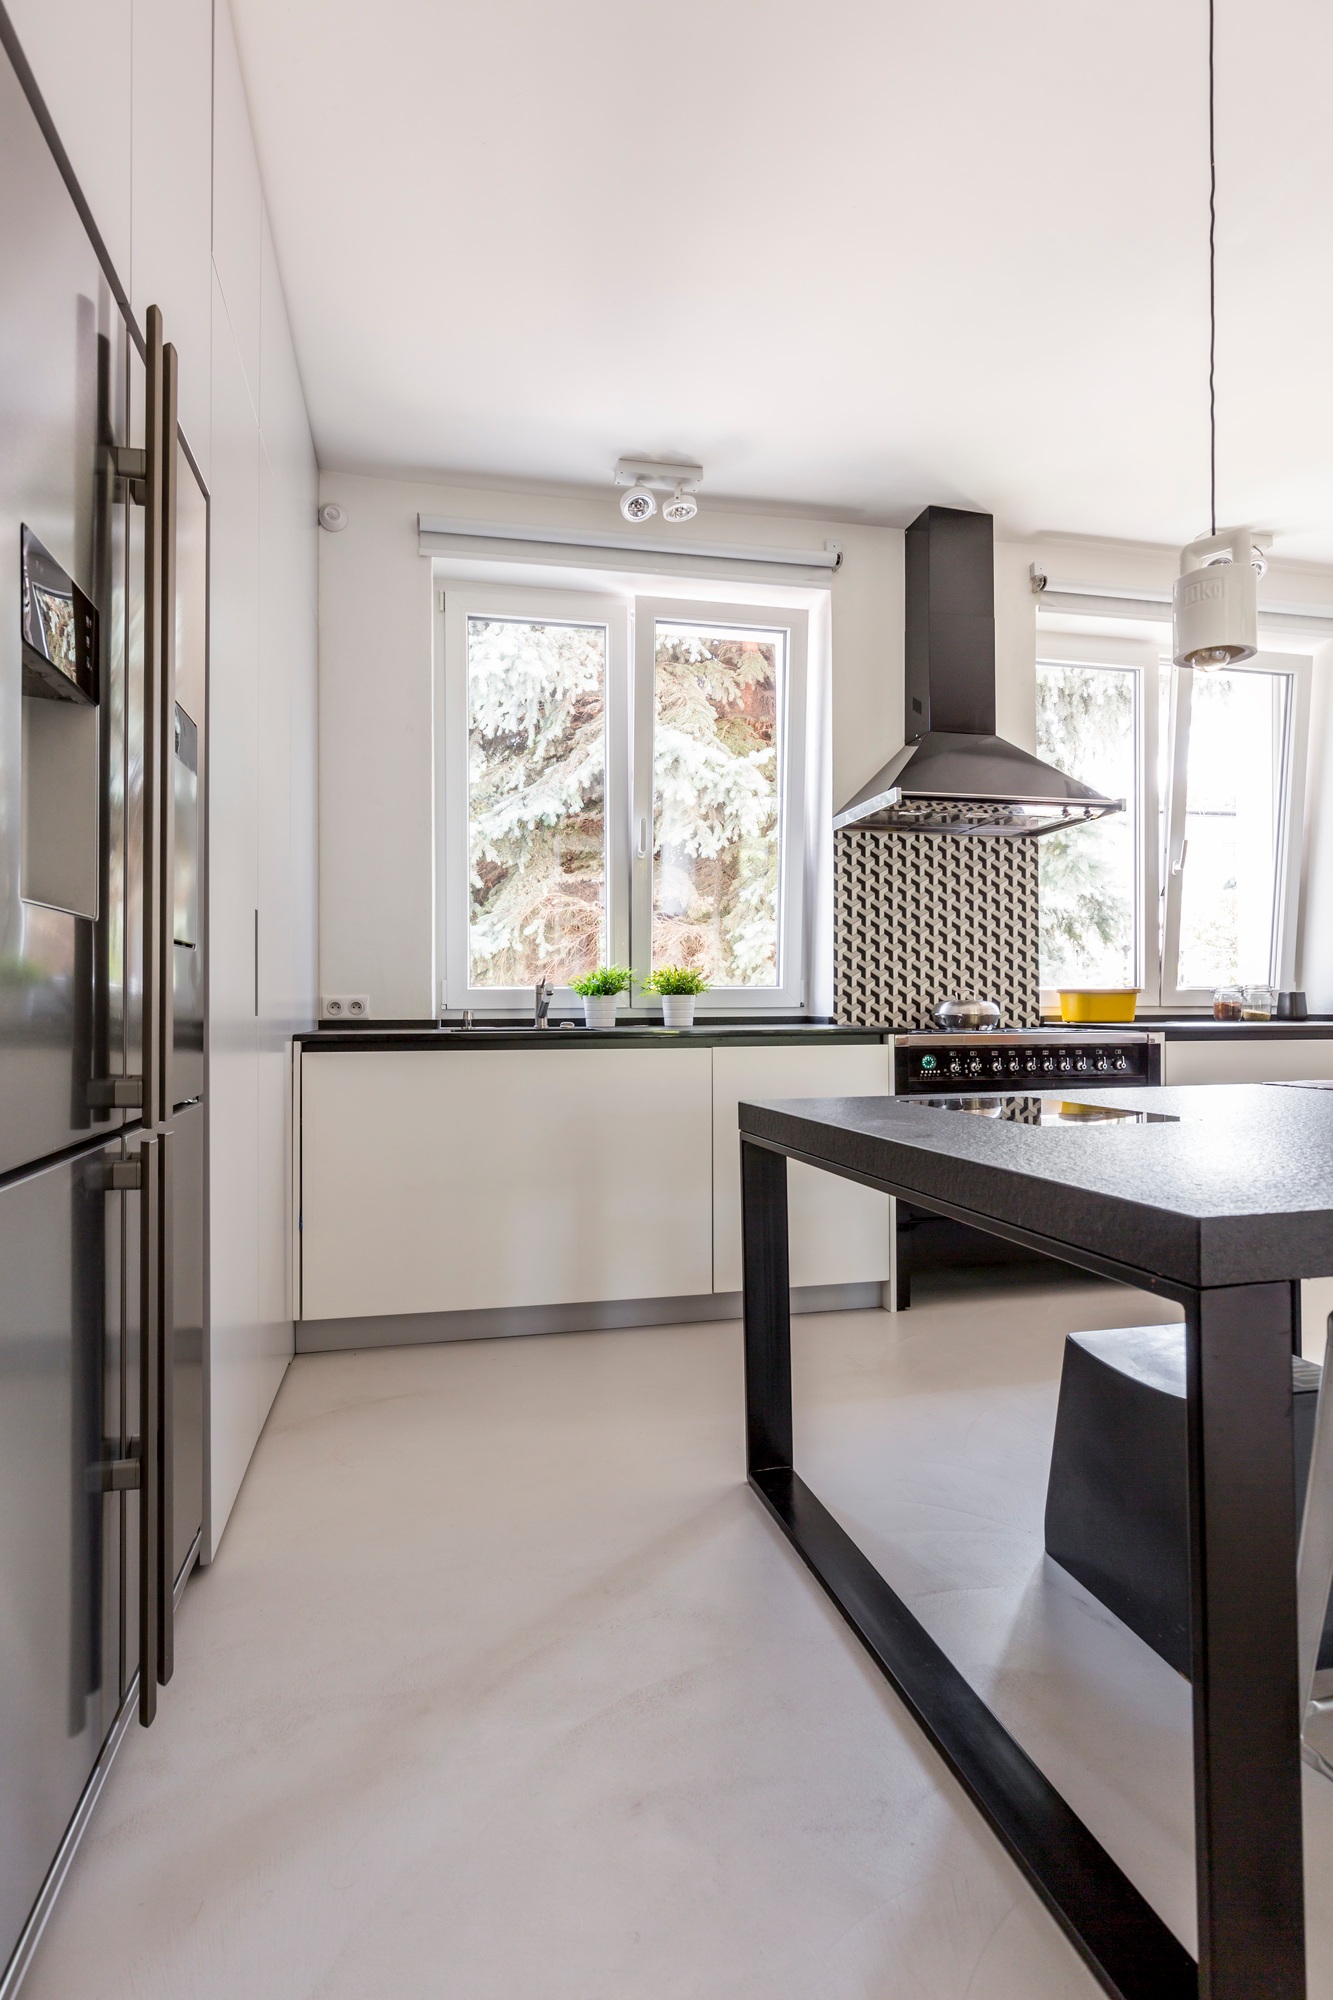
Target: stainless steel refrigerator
point(103, 640)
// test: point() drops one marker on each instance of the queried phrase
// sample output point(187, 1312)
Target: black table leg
point(767, 1307)
point(1243, 1535)
point(1243, 1530)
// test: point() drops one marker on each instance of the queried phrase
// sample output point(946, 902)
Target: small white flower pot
point(599, 1009)
point(678, 1010)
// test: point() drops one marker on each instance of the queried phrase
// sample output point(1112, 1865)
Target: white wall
point(376, 915)
point(149, 101)
point(376, 883)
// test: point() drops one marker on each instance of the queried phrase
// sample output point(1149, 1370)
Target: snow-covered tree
point(715, 785)
point(1085, 727)
point(537, 802)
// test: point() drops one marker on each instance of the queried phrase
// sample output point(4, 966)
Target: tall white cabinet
point(149, 101)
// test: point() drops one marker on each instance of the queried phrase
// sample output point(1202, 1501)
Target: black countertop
point(1200, 1028)
point(640, 1034)
point(1239, 1191)
point(650, 1034)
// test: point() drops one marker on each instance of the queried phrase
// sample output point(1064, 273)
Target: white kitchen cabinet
point(172, 186)
point(1275, 1060)
point(460, 1179)
point(839, 1233)
point(80, 52)
point(235, 1415)
point(238, 202)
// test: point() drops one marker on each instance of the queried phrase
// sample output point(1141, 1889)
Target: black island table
point(1221, 1198)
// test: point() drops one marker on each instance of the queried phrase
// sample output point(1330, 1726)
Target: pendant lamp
point(1214, 606)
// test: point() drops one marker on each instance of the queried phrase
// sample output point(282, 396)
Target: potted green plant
point(678, 986)
point(601, 991)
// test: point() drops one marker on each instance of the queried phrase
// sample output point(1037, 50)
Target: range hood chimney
point(954, 774)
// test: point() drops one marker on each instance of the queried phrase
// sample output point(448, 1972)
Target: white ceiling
point(861, 255)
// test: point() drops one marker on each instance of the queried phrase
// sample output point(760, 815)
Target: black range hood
point(954, 774)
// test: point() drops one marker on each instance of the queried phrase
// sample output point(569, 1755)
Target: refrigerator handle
point(150, 1484)
point(159, 625)
point(165, 1038)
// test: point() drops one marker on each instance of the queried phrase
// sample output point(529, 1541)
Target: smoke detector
point(333, 517)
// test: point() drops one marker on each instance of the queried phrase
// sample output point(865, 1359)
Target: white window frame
point(631, 626)
point(788, 996)
point(478, 600)
point(1291, 815)
point(1159, 879)
point(1140, 661)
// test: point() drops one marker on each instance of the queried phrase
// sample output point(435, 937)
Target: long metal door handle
point(159, 626)
point(166, 1503)
point(150, 1488)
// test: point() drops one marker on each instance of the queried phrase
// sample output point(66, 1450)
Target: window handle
point(1177, 866)
point(643, 838)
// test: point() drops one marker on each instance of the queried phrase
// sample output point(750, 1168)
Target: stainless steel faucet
point(541, 1003)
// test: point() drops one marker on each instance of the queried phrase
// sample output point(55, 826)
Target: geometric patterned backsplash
point(923, 917)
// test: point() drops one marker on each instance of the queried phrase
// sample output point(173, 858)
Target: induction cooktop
point(1046, 1111)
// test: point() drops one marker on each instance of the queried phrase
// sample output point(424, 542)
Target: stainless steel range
point(929, 1063)
point(995, 1062)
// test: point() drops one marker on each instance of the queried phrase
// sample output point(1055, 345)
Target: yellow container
point(1098, 1003)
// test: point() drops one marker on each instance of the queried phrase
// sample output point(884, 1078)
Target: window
point(1195, 885)
point(536, 773)
point(607, 802)
point(1088, 726)
point(1229, 826)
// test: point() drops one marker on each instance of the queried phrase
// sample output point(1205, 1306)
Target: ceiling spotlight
point(646, 476)
point(638, 504)
point(682, 506)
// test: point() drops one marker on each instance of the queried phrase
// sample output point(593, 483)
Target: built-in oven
point(996, 1063)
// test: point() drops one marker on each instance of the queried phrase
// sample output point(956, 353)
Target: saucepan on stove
point(967, 1015)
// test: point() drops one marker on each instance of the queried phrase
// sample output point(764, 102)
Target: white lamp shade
point(1215, 613)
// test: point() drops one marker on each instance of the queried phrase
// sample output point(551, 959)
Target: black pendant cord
point(1212, 281)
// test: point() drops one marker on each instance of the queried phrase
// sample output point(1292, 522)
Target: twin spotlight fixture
point(646, 477)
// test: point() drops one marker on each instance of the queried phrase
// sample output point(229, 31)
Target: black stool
point(1118, 1493)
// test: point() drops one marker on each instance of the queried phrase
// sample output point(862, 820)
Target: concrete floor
point(504, 1688)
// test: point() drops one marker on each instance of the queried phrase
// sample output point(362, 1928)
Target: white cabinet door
point(1275, 1061)
point(839, 1233)
point(455, 1179)
point(172, 189)
point(80, 53)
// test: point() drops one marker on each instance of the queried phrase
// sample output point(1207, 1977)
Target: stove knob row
point(962, 1064)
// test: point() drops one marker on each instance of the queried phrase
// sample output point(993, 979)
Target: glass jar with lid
point(1228, 1003)
point(1260, 1003)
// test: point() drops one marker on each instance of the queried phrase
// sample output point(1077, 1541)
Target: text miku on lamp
point(1214, 606)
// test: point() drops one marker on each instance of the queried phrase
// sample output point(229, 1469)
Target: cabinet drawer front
point(1283, 1061)
point(840, 1233)
point(451, 1180)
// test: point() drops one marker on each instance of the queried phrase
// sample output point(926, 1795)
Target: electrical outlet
point(346, 1006)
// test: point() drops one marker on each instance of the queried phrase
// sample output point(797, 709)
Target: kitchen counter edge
point(418, 1035)
point(644, 1036)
